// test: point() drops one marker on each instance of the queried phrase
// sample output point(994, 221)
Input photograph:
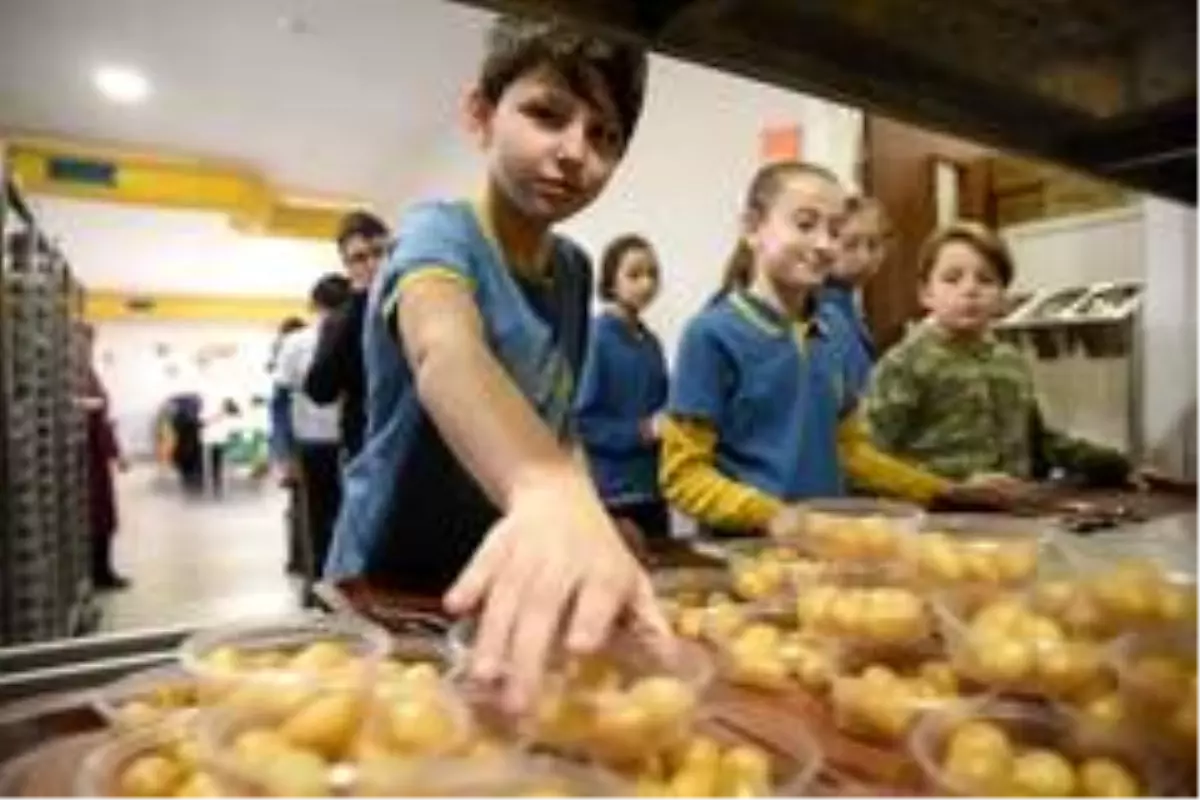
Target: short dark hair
point(330, 292)
point(610, 262)
point(290, 324)
point(360, 223)
point(978, 236)
point(517, 45)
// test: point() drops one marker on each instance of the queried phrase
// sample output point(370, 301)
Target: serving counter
point(47, 722)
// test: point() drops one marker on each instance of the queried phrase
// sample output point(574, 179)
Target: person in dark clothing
point(337, 373)
point(188, 455)
point(314, 449)
point(102, 452)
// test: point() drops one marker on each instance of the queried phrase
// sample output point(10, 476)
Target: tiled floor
point(197, 561)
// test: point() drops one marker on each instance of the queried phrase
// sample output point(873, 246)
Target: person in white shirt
point(219, 417)
point(315, 428)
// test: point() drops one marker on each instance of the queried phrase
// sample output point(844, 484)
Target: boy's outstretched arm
point(555, 552)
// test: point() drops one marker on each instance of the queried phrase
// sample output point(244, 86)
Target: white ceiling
point(350, 105)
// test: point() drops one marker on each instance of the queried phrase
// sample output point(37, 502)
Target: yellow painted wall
point(112, 306)
point(172, 182)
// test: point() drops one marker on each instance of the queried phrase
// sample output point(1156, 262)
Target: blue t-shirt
point(624, 382)
point(411, 515)
point(838, 299)
point(774, 390)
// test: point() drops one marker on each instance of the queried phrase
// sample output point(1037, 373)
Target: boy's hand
point(987, 492)
point(553, 565)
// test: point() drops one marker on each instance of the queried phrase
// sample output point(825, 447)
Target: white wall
point(1169, 335)
point(144, 249)
point(682, 181)
point(1080, 249)
point(143, 363)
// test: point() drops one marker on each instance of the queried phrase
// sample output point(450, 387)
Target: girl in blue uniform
point(763, 410)
point(624, 387)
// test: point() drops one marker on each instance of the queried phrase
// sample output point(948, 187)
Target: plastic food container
point(868, 608)
point(975, 556)
point(764, 656)
point(848, 529)
point(762, 569)
point(880, 704)
point(713, 761)
point(1003, 749)
point(148, 697)
point(1103, 600)
point(504, 774)
point(148, 762)
point(1007, 646)
point(338, 650)
point(614, 707)
point(325, 745)
point(1156, 676)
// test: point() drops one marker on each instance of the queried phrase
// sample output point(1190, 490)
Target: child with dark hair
point(469, 478)
point(315, 465)
point(953, 397)
point(624, 388)
point(863, 244)
point(337, 373)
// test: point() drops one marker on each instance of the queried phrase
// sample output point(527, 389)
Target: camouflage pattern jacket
point(963, 408)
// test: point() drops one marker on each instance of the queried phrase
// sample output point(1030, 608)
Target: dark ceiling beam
point(798, 46)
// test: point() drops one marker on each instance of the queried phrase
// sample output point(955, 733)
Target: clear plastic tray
point(975, 552)
point(147, 762)
point(326, 746)
point(1156, 678)
point(615, 706)
point(1005, 647)
point(148, 697)
point(993, 755)
point(869, 608)
point(879, 704)
point(761, 575)
point(763, 656)
point(852, 529)
point(1101, 599)
point(714, 761)
point(507, 774)
point(299, 650)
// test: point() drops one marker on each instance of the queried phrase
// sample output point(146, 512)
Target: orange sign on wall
point(781, 143)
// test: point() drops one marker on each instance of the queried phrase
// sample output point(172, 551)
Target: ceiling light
point(122, 84)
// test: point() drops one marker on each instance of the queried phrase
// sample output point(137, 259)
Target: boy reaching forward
point(475, 334)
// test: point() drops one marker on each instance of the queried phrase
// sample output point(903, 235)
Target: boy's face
point(863, 248)
point(963, 293)
point(549, 149)
point(795, 241)
point(362, 256)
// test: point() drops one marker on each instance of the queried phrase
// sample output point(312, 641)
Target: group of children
point(507, 431)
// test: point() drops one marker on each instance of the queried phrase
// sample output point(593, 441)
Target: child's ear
point(477, 114)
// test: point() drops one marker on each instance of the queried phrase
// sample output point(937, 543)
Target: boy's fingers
point(599, 601)
point(501, 611)
point(468, 590)
point(650, 624)
point(546, 602)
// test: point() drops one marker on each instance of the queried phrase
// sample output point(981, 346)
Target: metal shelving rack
point(45, 590)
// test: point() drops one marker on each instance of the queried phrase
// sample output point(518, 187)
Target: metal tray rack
point(44, 539)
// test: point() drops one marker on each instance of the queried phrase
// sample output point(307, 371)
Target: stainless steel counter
point(1169, 540)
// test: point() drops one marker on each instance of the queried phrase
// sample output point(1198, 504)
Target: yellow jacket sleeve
point(691, 482)
point(877, 471)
